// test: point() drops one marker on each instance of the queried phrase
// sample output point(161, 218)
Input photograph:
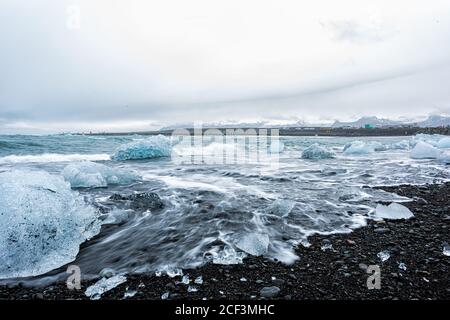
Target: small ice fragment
point(165, 296)
point(221, 292)
point(425, 279)
point(402, 266)
point(95, 291)
point(173, 272)
point(305, 243)
point(273, 278)
point(141, 285)
point(192, 289)
point(281, 207)
point(185, 279)
point(254, 243)
point(446, 249)
point(158, 273)
point(198, 280)
point(326, 247)
point(129, 294)
point(243, 279)
point(393, 211)
point(228, 256)
point(383, 255)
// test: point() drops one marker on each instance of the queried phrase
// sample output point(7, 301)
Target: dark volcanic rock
point(269, 292)
point(140, 201)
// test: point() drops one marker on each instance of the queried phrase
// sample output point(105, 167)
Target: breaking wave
point(52, 157)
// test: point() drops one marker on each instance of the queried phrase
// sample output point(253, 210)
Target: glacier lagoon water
point(220, 212)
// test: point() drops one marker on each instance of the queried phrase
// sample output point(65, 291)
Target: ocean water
point(213, 211)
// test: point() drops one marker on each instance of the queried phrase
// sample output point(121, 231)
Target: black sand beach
point(337, 273)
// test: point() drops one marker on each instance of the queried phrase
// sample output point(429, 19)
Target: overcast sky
point(140, 64)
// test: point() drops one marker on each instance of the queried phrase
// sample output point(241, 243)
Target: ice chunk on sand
point(393, 211)
point(198, 280)
point(227, 256)
point(315, 151)
point(152, 147)
point(358, 147)
point(424, 150)
point(384, 255)
point(129, 294)
point(95, 291)
point(444, 143)
point(446, 249)
point(95, 175)
point(42, 223)
point(255, 244)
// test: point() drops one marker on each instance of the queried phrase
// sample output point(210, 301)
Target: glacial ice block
point(95, 175)
point(152, 147)
point(254, 243)
point(444, 143)
point(424, 150)
point(42, 223)
point(358, 147)
point(315, 151)
point(393, 211)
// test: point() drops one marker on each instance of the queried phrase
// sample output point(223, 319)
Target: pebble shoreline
point(415, 269)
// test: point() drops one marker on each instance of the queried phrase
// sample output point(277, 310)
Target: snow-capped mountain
point(371, 121)
point(434, 121)
point(367, 121)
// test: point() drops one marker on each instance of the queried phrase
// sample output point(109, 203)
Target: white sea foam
point(52, 157)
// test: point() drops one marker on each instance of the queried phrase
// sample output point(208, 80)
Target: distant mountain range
point(432, 121)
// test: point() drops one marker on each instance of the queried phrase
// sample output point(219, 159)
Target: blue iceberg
point(42, 223)
point(153, 147)
point(95, 175)
point(359, 147)
point(315, 151)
